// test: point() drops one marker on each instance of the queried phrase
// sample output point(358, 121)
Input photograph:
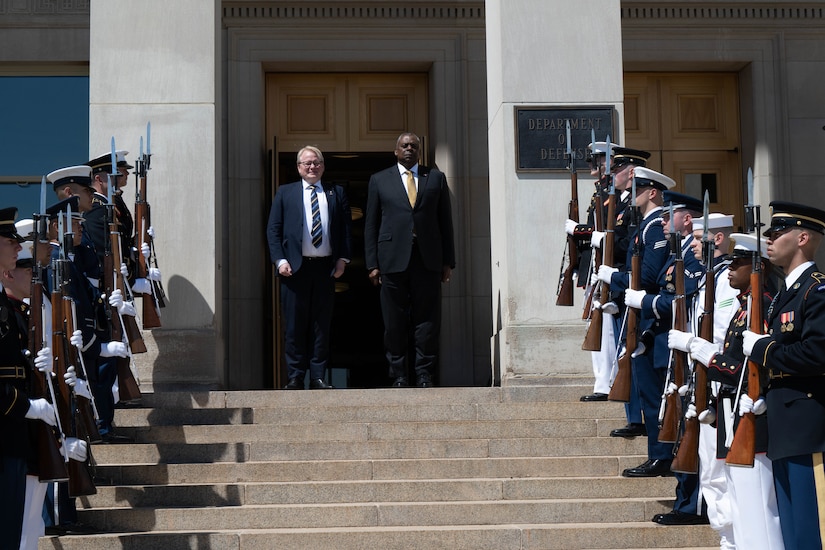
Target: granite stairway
point(517, 467)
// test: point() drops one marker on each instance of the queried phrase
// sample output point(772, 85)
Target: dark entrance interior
point(357, 347)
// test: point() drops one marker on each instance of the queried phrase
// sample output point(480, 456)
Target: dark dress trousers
point(307, 296)
point(410, 246)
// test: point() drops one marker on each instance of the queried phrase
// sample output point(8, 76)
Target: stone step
point(363, 491)
point(375, 431)
point(388, 470)
point(575, 536)
point(314, 414)
point(375, 514)
point(167, 453)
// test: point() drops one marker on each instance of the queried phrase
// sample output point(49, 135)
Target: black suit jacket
point(287, 218)
point(391, 222)
point(795, 350)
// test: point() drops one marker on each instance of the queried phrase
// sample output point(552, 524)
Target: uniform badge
point(786, 319)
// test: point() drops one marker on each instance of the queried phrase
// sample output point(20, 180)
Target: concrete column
point(549, 53)
point(159, 61)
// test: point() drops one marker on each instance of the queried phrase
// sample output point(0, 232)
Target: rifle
point(151, 305)
point(80, 479)
point(669, 428)
point(127, 384)
point(593, 336)
point(589, 288)
point(50, 462)
point(687, 453)
point(564, 293)
point(741, 452)
point(620, 390)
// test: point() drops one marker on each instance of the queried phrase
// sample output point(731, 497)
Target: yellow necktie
point(412, 193)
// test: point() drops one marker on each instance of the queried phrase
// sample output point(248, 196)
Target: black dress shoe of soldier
point(594, 397)
point(400, 382)
point(650, 468)
point(424, 381)
point(678, 518)
point(296, 383)
point(631, 430)
point(319, 384)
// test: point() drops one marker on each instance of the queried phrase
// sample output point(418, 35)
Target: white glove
point(679, 340)
point(702, 350)
point(76, 449)
point(748, 405)
point(671, 387)
point(683, 390)
point(145, 250)
point(691, 411)
point(43, 361)
point(128, 308)
point(81, 387)
point(40, 409)
point(749, 338)
point(610, 308)
point(113, 349)
point(594, 278)
point(570, 227)
point(606, 272)
point(596, 239)
point(641, 348)
point(77, 339)
point(708, 416)
point(154, 274)
point(124, 271)
point(151, 231)
point(142, 286)
point(633, 298)
point(116, 299)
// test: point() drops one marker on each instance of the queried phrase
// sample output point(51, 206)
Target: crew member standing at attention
point(793, 354)
point(309, 243)
point(409, 250)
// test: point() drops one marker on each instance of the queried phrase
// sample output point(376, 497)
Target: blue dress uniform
point(15, 376)
point(794, 355)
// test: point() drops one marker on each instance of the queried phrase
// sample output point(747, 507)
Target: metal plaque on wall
point(541, 135)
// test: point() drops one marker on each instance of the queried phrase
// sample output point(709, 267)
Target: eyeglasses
point(311, 163)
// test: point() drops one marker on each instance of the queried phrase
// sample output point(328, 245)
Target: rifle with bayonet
point(50, 462)
point(687, 453)
point(671, 414)
point(564, 293)
point(620, 390)
point(593, 336)
point(128, 389)
point(80, 479)
point(741, 452)
point(152, 301)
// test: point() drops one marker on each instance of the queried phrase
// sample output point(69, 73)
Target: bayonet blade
point(607, 158)
point(750, 187)
point(569, 147)
point(706, 215)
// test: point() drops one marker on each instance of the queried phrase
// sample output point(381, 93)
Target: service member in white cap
point(793, 355)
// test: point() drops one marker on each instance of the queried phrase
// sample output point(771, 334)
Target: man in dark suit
point(792, 356)
point(409, 251)
point(309, 243)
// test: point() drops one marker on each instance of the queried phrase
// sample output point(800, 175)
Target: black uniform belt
point(13, 372)
point(315, 258)
point(776, 375)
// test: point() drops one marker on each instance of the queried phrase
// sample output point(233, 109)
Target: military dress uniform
point(793, 356)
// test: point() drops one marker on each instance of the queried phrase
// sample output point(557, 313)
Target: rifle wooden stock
point(50, 463)
point(742, 449)
point(150, 314)
point(669, 431)
point(135, 339)
point(686, 460)
point(593, 337)
point(620, 390)
point(566, 286)
point(83, 406)
point(128, 389)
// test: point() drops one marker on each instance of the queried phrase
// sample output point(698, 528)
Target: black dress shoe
point(400, 382)
point(594, 397)
point(296, 383)
point(650, 468)
point(631, 430)
point(678, 518)
point(424, 382)
point(114, 439)
point(79, 529)
point(319, 384)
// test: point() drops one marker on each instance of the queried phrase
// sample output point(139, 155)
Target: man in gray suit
point(409, 251)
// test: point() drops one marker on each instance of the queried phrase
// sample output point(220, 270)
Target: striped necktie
point(412, 192)
point(317, 237)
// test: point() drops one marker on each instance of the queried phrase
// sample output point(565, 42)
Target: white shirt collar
point(796, 273)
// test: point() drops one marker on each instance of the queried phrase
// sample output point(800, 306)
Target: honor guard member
point(17, 410)
point(792, 352)
point(650, 241)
